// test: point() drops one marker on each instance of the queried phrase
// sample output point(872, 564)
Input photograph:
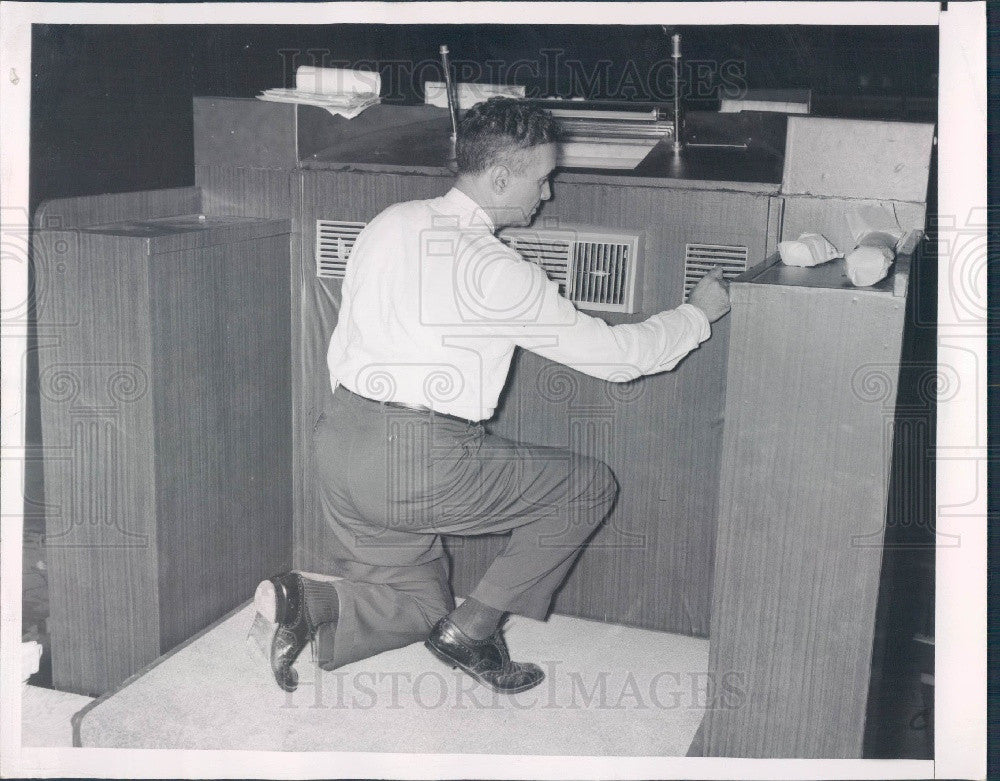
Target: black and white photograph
point(509, 390)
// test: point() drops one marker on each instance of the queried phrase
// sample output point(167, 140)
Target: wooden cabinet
point(166, 412)
point(806, 457)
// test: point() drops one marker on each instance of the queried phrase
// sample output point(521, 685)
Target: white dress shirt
point(434, 305)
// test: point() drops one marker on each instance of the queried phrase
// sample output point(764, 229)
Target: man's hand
point(711, 295)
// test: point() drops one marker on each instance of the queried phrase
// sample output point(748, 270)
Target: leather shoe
point(488, 660)
point(282, 600)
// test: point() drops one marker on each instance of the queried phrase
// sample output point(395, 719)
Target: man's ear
point(499, 178)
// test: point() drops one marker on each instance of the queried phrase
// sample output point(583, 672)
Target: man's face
point(526, 188)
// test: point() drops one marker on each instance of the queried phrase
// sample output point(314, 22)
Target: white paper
point(867, 265)
point(872, 218)
point(810, 249)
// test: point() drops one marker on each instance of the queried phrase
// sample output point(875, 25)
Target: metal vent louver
point(699, 259)
point(334, 241)
point(547, 250)
point(595, 270)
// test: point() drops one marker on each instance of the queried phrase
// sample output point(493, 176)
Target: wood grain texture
point(166, 443)
point(97, 420)
point(248, 192)
point(63, 213)
point(857, 158)
point(651, 564)
point(270, 193)
point(806, 454)
point(222, 417)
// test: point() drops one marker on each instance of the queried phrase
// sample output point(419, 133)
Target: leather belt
point(409, 407)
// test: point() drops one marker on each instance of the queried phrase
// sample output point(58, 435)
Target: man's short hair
point(497, 130)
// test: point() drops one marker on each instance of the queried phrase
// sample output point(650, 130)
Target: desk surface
point(425, 147)
point(831, 275)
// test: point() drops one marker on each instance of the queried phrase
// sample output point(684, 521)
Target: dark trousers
point(391, 482)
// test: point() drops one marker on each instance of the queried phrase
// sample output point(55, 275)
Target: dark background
point(111, 105)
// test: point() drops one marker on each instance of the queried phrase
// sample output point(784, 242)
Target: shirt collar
point(471, 212)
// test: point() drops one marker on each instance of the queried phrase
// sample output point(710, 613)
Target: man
point(433, 307)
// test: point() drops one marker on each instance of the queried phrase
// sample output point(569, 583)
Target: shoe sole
point(456, 665)
point(270, 607)
point(259, 638)
point(263, 626)
point(265, 601)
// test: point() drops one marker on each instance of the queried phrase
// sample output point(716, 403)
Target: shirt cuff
point(698, 319)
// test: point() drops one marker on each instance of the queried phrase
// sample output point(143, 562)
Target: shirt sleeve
point(527, 306)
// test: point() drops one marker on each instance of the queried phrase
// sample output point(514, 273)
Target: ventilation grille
point(699, 259)
point(595, 270)
point(548, 251)
point(600, 272)
point(334, 241)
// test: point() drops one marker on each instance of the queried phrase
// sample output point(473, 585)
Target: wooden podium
point(164, 372)
point(807, 449)
point(812, 381)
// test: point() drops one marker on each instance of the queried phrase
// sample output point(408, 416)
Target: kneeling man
point(433, 307)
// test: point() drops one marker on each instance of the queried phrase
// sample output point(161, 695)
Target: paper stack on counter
point(344, 93)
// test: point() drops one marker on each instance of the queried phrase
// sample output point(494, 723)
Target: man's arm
point(531, 311)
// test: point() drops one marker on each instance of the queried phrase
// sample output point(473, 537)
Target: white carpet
point(609, 690)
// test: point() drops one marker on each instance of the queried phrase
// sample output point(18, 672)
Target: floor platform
point(46, 716)
point(609, 690)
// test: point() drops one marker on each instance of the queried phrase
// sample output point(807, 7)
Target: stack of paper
point(342, 92)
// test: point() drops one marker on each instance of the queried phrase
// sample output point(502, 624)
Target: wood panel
point(318, 130)
point(97, 415)
point(661, 434)
point(857, 158)
point(157, 414)
point(222, 402)
point(803, 493)
point(272, 193)
point(248, 192)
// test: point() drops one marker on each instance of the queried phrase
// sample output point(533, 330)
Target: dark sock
point(322, 604)
point(477, 620)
